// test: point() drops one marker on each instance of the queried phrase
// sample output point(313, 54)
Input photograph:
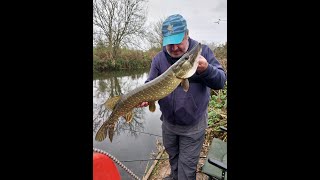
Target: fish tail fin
point(110, 132)
point(101, 134)
point(103, 131)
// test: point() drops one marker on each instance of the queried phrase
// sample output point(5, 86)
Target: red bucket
point(104, 168)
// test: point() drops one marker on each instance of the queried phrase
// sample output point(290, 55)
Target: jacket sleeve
point(154, 69)
point(214, 76)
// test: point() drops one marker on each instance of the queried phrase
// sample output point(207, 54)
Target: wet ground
point(163, 169)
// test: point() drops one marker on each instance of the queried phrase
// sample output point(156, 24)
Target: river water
point(131, 142)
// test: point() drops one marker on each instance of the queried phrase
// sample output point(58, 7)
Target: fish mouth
point(195, 51)
point(195, 48)
point(188, 63)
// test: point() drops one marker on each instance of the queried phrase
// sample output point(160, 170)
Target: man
point(185, 114)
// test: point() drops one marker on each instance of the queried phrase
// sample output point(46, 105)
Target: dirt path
point(162, 168)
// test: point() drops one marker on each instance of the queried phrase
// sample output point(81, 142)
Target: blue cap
point(173, 29)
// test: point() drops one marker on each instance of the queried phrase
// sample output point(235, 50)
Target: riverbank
point(128, 59)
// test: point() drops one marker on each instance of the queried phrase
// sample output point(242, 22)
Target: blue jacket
point(187, 108)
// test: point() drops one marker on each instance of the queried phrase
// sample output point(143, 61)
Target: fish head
point(187, 65)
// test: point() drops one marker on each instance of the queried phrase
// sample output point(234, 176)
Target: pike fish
point(158, 88)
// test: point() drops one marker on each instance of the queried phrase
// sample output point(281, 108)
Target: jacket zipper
point(173, 109)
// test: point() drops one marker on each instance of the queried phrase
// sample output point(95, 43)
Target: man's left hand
point(203, 64)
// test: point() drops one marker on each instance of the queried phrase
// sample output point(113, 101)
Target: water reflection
point(131, 141)
point(115, 84)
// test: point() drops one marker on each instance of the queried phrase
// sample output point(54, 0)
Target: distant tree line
point(122, 39)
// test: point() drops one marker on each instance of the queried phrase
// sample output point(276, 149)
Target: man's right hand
point(143, 104)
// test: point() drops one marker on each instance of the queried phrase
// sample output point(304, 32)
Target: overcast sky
point(201, 16)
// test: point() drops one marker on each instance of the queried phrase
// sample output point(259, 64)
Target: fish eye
point(186, 58)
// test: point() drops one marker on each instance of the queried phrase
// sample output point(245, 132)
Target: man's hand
point(203, 64)
point(143, 104)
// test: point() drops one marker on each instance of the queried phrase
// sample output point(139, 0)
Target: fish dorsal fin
point(185, 84)
point(111, 102)
point(128, 117)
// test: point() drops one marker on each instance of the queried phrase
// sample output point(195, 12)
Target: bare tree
point(121, 21)
point(155, 35)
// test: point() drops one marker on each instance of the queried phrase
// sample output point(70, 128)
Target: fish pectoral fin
point(128, 117)
point(185, 84)
point(152, 106)
point(111, 102)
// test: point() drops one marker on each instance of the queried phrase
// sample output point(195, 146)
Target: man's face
point(177, 50)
